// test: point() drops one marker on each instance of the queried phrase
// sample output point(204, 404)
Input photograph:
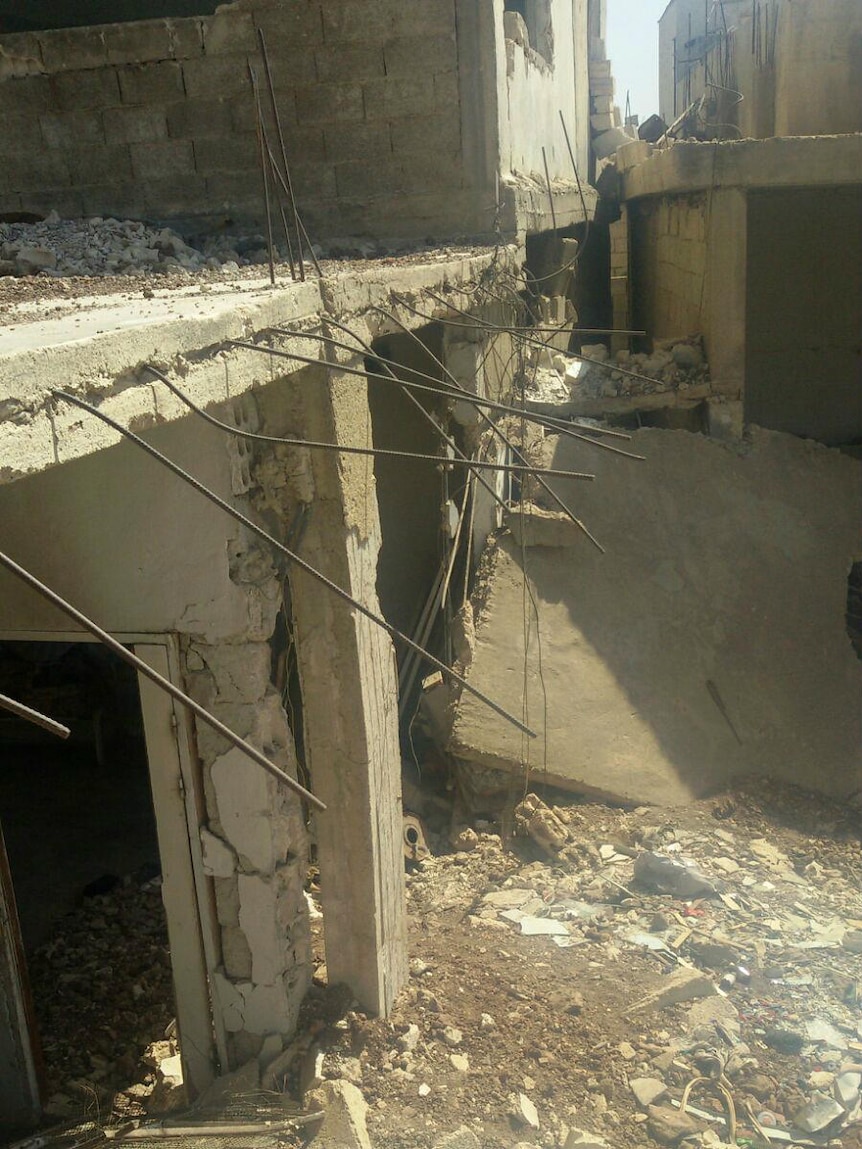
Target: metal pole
point(22, 711)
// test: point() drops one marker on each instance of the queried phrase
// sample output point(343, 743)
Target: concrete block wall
point(156, 119)
point(669, 264)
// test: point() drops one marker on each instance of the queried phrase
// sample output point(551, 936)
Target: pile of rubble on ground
point(97, 247)
point(103, 993)
point(558, 383)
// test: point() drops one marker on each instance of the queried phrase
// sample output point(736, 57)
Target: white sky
point(632, 47)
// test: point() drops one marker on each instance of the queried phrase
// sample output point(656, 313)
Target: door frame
point(187, 893)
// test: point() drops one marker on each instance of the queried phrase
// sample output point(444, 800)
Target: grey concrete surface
point(708, 641)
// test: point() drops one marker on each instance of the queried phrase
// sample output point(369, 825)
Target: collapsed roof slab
point(96, 347)
point(707, 642)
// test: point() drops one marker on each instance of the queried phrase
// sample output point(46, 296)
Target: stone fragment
point(783, 1040)
point(669, 1126)
point(460, 1062)
point(688, 356)
point(581, 1139)
point(344, 1116)
point(666, 875)
point(463, 1138)
point(818, 1113)
point(487, 1022)
point(533, 526)
point(452, 1036)
point(627, 1051)
point(169, 1093)
point(533, 817)
point(32, 259)
point(681, 985)
point(524, 1112)
point(647, 1090)
point(408, 1041)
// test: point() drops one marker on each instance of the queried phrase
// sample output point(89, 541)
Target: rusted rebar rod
point(292, 557)
point(147, 671)
point(342, 448)
point(277, 120)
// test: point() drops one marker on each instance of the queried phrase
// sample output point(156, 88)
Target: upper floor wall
point(782, 68)
point(405, 119)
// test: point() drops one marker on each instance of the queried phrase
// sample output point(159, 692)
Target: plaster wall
point(818, 68)
point(131, 546)
point(538, 89)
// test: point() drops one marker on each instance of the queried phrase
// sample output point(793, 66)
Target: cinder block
point(34, 170)
point(159, 83)
point(187, 38)
point(340, 103)
point(200, 119)
point(179, 195)
point(74, 91)
point(290, 29)
point(229, 31)
point(211, 78)
point(446, 90)
point(368, 142)
point(602, 87)
point(21, 131)
point(230, 153)
point(139, 42)
point(25, 94)
point(387, 19)
point(169, 158)
point(69, 130)
point(123, 199)
point(314, 181)
point(135, 125)
point(23, 54)
point(73, 49)
point(431, 53)
point(335, 64)
point(399, 96)
point(435, 134)
point(99, 165)
point(66, 201)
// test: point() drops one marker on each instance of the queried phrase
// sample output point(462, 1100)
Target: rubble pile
point(99, 247)
point(103, 992)
point(626, 978)
point(557, 380)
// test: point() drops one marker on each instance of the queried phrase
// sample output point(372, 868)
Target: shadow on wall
point(708, 641)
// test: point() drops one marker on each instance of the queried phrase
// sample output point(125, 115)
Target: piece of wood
point(179, 893)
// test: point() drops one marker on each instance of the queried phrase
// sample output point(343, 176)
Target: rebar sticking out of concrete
point(295, 560)
point(342, 448)
point(34, 716)
point(142, 668)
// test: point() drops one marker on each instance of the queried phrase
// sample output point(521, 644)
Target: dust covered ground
point(742, 976)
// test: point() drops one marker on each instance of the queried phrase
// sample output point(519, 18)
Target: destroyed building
point(433, 147)
point(155, 120)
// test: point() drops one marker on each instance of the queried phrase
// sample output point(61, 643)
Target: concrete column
point(724, 310)
point(350, 695)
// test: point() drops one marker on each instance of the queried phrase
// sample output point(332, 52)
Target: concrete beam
point(800, 161)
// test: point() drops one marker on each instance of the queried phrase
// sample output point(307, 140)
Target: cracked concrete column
point(349, 684)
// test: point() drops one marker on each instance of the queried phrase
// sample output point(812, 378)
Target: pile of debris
point(100, 247)
point(559, 384)
point(103, 993)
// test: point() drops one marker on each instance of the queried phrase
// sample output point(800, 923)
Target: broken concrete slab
point(344, 1113)
point(708, 641)
point(533, 526)
point(681, 985)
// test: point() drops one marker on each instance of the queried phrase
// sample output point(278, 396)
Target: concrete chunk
point(681, 985)
point(345, 1110)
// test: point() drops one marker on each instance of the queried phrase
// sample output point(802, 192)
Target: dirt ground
point(521, 1038)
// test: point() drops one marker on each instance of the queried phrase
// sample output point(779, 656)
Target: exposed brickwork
point(157, 118)
point(669, 253)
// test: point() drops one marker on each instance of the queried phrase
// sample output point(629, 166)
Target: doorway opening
point(80, 833)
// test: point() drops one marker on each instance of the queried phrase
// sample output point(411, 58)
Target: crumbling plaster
point(127, 543)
